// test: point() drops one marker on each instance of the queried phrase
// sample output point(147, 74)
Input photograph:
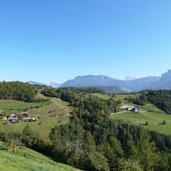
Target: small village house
point(24, 116)
point(130, 108)
point(13, 118)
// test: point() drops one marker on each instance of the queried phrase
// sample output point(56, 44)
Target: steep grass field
point(28, 160)
point(51, 113)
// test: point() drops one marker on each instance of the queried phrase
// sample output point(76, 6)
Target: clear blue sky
point(56, 40)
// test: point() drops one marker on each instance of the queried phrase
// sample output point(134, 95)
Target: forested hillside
point(160, 98)
point(91, 141)
point(84, 101)
point(17, 91)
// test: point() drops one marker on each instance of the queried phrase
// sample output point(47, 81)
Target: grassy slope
point(19, 106)
point(28, 160)
point(104, 96)
point(149, 113)
point(54, 113)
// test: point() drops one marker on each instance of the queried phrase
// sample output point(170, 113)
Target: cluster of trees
point(52, 92)
point(17, 91)
point(137, 99)
point(94, 142)
point(83, 101)
point(90, 103)
point(91, 90)
point(161, 99)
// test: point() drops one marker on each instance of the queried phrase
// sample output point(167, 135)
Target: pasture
point(49, 114)
point(150, 117)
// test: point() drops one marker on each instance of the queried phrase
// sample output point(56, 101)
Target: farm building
point(24, 116)
point(130, 108)
point(13, 118)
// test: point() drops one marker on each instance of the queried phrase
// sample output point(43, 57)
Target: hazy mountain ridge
point(139, 84)
point(164, 82)
point(130, 84)
point(92, 80)
point(54, 84)
point(35, 83)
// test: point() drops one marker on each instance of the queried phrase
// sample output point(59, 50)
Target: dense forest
point(94, 142)
point(17, 91)
point(91, 141)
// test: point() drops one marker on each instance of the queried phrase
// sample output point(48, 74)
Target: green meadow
point(148, 114)
point(49, 114)
point(25, 159)
point(104, 96)
point(20, 106)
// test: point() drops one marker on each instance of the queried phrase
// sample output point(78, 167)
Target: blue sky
point(56, 40)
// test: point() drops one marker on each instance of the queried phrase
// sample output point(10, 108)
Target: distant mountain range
point(99, 81)
point(164, 82)
point(35, 83)
point(127, 85)
point(54, 85)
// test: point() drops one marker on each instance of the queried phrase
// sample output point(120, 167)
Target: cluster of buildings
point(131, 108)
point(13, 118)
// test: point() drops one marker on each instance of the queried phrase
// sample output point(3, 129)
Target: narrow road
point(118, 112)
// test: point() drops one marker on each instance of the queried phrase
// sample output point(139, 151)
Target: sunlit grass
point(28, 160)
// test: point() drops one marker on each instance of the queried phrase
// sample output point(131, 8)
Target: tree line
point(17, 91)
point(160, 98)
point(87, 102)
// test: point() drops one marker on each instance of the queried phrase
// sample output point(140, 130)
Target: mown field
point(150, 114)
point(50, 113)
point(28, 160)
